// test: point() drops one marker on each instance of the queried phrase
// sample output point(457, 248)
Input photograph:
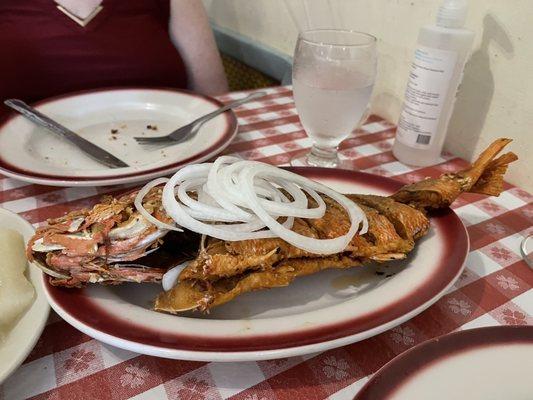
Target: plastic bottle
point(436, 72)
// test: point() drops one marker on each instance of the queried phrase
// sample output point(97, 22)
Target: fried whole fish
point(112, 243)
point(224, 270)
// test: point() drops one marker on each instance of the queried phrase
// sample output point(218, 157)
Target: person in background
point(51, 47)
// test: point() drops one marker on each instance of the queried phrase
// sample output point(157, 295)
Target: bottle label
point(426, 91)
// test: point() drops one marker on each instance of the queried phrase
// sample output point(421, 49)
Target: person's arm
point(191, 34)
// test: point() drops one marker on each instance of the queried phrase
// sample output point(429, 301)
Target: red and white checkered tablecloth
point(495, 289)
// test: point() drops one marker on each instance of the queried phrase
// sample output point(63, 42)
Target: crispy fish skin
point(408, 222)
point(223, 259)
point(217, 276)
point(189, 294)
point(395, 223)
point(216, 263)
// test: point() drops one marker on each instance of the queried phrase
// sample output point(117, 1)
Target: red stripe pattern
point(495, 288)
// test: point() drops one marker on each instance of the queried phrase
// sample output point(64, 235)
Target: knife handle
point(36, 117)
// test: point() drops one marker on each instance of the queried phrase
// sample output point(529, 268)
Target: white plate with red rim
point(476, 364)
point(110, 118)
point(314, 313)
point(22, 338)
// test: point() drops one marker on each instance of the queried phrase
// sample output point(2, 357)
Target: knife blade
point(92, 150)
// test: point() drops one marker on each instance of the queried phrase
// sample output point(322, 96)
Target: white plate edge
point(35, 274)
point(248, 355)
point(119, 180)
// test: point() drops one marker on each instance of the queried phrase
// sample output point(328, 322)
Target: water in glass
point(333, 77)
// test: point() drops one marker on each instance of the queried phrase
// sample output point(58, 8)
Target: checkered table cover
point(495, 288)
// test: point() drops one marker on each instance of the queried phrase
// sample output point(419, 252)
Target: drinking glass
point(333, 76)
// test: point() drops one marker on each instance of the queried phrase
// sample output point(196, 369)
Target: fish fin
point(491, 180)
point(485, 176)
point(484, 161)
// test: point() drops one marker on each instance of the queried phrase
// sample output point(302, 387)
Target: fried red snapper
point(112, 243)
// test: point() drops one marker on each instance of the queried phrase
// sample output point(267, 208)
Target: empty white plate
point(489, 363)
point(110, 118)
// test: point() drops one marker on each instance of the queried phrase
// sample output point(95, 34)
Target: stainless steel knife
point(92, 150)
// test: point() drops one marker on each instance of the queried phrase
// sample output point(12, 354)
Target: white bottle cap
point(452, 13)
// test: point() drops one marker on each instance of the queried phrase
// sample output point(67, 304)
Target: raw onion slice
point(213, 213)
point(191, 177)
point(149, 217)
point(204, 197)
point(215, 190)
point(317, 246)
point(296, 208)
point(170, 278)
point(242, 200)
point(178, 213)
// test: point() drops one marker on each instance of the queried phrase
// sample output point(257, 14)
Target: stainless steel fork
point(188, 131)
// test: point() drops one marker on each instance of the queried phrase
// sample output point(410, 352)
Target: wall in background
point(496, 97)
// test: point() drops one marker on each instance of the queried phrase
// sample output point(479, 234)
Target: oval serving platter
point(315, 313)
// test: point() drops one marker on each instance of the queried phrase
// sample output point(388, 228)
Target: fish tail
point(484, 176)
point(490, 181)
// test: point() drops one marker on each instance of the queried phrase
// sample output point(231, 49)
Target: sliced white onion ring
point(171, 276)
point(317, 246)
point(296, 208)
point(214, 187)
point(215, 213)
point(149, 217)
point(215, 210)
point(185, 217)
point(242, 200)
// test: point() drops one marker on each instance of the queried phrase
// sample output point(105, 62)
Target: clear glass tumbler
point(333, 77)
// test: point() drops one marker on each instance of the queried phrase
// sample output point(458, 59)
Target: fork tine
point(142, 139)
point(159, 139)
point(155, 144)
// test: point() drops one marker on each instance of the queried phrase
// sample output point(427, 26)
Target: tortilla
point(16, 292)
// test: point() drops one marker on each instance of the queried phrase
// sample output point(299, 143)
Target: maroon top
point(44, 53)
